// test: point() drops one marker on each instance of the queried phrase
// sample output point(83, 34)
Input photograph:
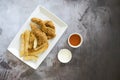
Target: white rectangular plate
point(42, 13)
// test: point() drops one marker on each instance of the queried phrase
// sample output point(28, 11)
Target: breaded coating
point(49, 24)
point(41, 37)
point(42, 41)
point(50, 32)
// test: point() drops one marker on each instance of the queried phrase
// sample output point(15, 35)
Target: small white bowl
point(78, 44)
point(64, 55)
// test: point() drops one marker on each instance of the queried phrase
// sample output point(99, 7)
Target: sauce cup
point(75, 40)
point(64, 55)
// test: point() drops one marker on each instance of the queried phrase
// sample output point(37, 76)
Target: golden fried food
point(49, 24)
point(42, 42)
point(50, 33)
point(39, 50)
point(40, 23)
point(27, 35)
point(46, 28)
point(41, 37)
point(31, 41)
point(50, 28)
point(22, 45)
point(35, 41)
point(33, 58)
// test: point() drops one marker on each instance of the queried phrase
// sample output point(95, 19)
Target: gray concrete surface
point(97, 59)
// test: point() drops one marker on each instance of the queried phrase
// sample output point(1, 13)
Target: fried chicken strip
point(41, 37)
point(50, 32)
point(42, 42)
point(49, 24)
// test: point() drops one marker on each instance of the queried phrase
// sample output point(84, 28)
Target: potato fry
point(33, 58)
point(35, 43)
point(22, 45)
point(31, 40)
point(39, 49)
point(27, 36)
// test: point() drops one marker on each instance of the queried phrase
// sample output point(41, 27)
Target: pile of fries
point(35, 41)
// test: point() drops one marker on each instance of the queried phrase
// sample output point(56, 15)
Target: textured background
point(97, 59)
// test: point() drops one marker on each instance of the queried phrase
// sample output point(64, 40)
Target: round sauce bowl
point(75, 40)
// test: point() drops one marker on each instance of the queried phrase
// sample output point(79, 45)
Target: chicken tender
point(48, 29)
point(31, 41)
point(41, 37)
point(49, 24)
point(42, 42)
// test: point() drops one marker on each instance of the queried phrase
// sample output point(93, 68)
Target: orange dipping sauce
point(75, 39)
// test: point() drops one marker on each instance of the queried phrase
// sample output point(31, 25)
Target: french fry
point(31, 41)
point(35, 43)
point(33, 58)
point(27, 36)
point(22, 41)
point(39, 49)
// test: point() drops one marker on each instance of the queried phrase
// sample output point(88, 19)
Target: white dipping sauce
point(64, 55)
